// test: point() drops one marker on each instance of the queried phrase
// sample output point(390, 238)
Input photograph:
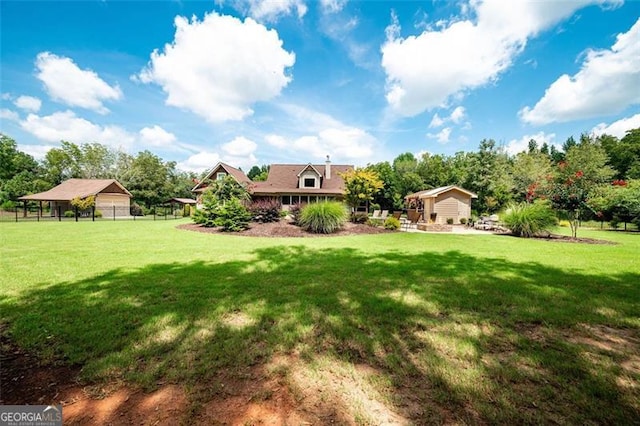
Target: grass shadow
point(451, 336)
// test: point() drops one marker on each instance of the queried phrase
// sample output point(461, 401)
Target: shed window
point(309, 182)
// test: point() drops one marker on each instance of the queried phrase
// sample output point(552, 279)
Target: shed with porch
point(111, 198)
point(439, 204)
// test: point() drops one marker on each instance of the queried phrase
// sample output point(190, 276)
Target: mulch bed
point(286, 229)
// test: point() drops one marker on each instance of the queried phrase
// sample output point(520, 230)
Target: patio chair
point(384, 214)
point(376, 214)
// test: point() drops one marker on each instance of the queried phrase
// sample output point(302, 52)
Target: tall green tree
point(434, 170)
point(388, 197)
point(19, 172)
point(490, 177)
point(63, 163)
point(258, 174)
point(530, 170)
point(97, 161)
point(360, 185)
point(408, 180)
point(624, 154)
point(149, 181)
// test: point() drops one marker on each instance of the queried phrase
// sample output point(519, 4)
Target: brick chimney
point(327, 168)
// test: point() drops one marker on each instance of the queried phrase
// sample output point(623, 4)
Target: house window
point(309, 182)
point(286, 200)
point(220, 175)
point(312, 199)
point(295, 199)
point(304, 199)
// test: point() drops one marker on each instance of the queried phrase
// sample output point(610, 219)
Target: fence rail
point(32, 212)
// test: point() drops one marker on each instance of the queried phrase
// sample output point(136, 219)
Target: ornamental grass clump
point(527, 220)
point(323, 218)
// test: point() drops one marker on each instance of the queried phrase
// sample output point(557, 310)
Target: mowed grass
point(433, 328)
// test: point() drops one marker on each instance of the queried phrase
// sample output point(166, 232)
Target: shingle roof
point(236, 173)
point(183, 200)
point(72, 188)
point(283, 178)
point(432, 193)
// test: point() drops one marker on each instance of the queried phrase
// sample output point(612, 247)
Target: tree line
point(150, 180)
point(497, 177)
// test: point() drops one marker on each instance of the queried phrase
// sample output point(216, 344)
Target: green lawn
point(463, 328)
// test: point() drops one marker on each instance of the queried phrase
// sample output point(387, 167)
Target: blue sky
point(258, 82)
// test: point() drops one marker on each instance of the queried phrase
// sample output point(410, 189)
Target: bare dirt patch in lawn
point(286, 229)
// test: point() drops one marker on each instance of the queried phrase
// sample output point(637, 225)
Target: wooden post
point(40, 210)
point(93, 213)
point(76, 209)
point(59, 215)
point(17, 213)
point(114, 212)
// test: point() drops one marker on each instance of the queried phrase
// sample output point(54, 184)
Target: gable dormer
point(309, 178)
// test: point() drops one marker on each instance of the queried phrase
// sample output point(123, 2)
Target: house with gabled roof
point(440, 204)
point(219, 172)
point(111, 198)
point(288, 183)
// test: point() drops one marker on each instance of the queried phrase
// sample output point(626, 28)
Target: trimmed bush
point(265, 211)
point(8, 205)
point(233, 216)
point(463, 221)
point(69, 213)
point(200, 217)
point(97, 213)
point(323, 218)
point(135, 210)
point(392, 223)
point(527, 220)
point(449, 221)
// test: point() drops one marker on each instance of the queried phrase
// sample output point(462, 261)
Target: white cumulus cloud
point(199, 162)
point(323, 135)
point(156, 136)
point(220, 66)
point(457, 115)
point(436, 121)
point(607, 83)
point(239, 152)
point(67, 126)
point(448, 59)
point(618, 128)
point(28, 103)
point(36, 151)
point(239, 146)
point(7, 114)
point(272, 10)
point(442, 136)
point(65, 82)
